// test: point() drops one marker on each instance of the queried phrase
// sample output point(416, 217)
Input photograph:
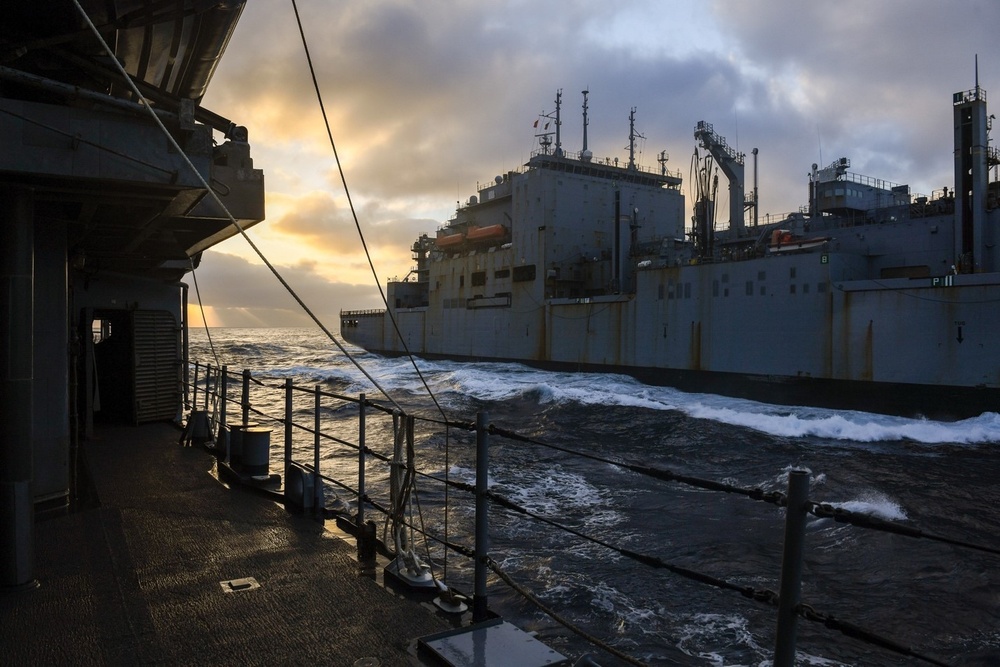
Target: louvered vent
point(157, 366)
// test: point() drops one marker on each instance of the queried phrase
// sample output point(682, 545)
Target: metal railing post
point(223, 399)
point(317, 483)
point(361, 462)
point(194, 389)
point(479, 606)
point(791, 568)
point(208, 385)
point(366, 539)
point(245, 398)
point(288, 426)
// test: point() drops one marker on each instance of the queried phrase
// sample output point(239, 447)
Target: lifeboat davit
point(488, 233)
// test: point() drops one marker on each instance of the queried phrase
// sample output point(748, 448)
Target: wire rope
point(371, 264)
point(201, 179)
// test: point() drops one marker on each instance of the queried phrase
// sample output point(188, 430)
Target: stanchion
point(366, 529)
point(480, 610)
point(791, 568)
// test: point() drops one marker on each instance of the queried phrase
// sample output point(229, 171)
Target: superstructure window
point(523, 274)
point(501, 273)
point(478, 278)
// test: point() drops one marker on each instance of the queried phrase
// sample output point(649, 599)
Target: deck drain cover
point(239, 585)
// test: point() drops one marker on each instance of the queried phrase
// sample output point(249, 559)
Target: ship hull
point(914, 347)
point(945, 403)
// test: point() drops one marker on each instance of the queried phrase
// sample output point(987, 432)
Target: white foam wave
point(706, 635)
point(554, 492)
point(848, 425)
point(505, 381)
point(508, 381)
point(874, 503)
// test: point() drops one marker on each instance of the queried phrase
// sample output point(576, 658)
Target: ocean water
point(940, 600)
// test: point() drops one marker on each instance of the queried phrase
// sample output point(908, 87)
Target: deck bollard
point(256, 451)
point(480, 610)
point(791, 568)
point(236, 443)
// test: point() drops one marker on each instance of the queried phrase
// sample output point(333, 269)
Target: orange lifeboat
point(449, 240)
point(488, 233)
point(780, 236)
point(783, 241)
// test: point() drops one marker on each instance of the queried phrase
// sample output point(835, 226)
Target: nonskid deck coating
point(136, 580)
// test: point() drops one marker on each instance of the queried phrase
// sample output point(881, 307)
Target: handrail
point(215, 382)
point(368, 312)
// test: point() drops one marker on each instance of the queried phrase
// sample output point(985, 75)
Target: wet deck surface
point(136, 580)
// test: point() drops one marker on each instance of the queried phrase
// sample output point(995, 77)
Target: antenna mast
point(663, 162)
point(558, 151)
point(632, 136)
point(585, 154)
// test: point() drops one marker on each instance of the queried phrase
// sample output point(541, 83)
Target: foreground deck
point(135, 577)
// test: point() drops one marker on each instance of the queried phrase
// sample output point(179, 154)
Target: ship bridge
point(574, 163)
point(840, 192)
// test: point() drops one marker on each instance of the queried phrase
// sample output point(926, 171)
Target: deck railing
point(370, 461)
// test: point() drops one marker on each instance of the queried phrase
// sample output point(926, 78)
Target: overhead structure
point(102, 217)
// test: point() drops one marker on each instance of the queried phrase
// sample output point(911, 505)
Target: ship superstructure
point(869, 296)
point(102, 217)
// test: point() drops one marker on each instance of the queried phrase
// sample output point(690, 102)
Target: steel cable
point(211, 192)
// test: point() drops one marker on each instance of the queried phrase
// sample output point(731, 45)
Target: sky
point(428, 99)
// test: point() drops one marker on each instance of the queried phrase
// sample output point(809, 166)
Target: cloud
point(427, 100)
point(317, 220)
point(874, 79)
point(327, 226)
point(241, 293)
point(421, 98)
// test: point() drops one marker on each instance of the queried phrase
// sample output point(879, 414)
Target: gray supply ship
point(869, 297)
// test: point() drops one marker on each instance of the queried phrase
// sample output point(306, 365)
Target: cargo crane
point(731, 164)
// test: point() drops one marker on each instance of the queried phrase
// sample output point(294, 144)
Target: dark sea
point(939, 600)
